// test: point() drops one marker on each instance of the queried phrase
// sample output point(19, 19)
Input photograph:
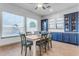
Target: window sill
point(4, 37)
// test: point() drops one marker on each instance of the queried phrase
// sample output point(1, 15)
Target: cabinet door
point(73, 37)
point(71, 22)
point(54, 36)
point(74, 18)
point(67, 19)
point(65, 37)
point(59, 36)
point(77, 39)
point(44, 25)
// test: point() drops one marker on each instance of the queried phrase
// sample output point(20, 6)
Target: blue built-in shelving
point(71, 22)
point(71, 29)
point(67, 37)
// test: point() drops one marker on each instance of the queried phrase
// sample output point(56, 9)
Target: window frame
point(3, 37)
point(25, 26)
point(60, 21)
point(32, 20)
point(52, 22)
point(55, 22)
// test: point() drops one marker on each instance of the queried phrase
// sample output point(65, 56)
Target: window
point(56, 23)
point(31, 25)
point(9, 22)
point(60, 23)
point(52, 24)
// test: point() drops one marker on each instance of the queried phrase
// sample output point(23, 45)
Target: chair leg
point(25, 51)
point(48, 45)
point(40, 50)
point(21, 49)
point(30, 50)
point(51, 43)
point(45, 48)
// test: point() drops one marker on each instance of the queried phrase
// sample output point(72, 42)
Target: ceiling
point(56, 7)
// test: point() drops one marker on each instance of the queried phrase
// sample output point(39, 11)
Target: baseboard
point(10, 44)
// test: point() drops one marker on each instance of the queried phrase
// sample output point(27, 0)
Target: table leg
point(34, 48)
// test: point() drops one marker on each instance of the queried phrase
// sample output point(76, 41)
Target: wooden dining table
point(34, 38)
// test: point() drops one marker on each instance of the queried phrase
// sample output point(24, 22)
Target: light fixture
point(39, 5)
point(43, 6)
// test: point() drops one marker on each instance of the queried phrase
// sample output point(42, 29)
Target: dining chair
point(36, 32)
point(45, 41)
point(42, 43)
point(49, 40)
point(25, 43)
point(28, 33)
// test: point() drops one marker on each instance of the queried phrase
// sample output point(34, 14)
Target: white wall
point(61, 15)
point(19, 11)
point(9, 41)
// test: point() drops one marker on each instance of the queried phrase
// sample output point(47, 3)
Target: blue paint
point(70, 20)
point(44, 25)
point(72, 38)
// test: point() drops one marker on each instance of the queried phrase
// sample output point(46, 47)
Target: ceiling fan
point(44, 6)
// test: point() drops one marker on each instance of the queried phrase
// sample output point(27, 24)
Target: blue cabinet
point(71, 22)
point(67, 24)
point(57, 36)
point(54, 36)
point(65, 37)
point(78, 39)
point(73, 38)
point(44, 25)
